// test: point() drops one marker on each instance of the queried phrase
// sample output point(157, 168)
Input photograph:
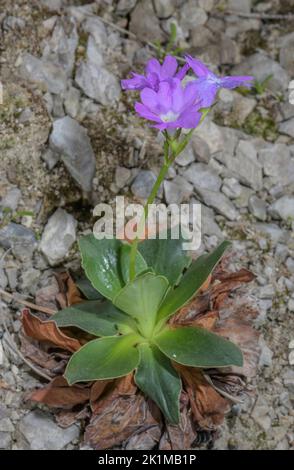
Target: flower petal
point(198, 67)
point(144, 112)
point(206, 92)
point(137, 82)
point(189, 118)
point(182, 72)
point(165, 96)
point(233, 82)
point(150, 99)
point(169, 67)
point(153, 66)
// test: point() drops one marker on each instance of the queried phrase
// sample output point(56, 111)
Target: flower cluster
point(171, 104)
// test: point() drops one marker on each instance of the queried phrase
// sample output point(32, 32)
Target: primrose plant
point(134, 288)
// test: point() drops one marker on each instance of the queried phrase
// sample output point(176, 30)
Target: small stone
point(290, 265)
point(122, 176)
point(260, 414)
point(260, 66)
point(51, 158)
point(5, 440)
point(72, 102)
point(231, 188)
point(25, 116)
point(11, 199)
point(15, 234)
point(29, 279)
point(48, 436)
point(283, 208)
point(58, 236)
point(266, 354)
point(277, 163)
point(288, 379)
point(177, 191)
point(192, 15)
point(219, 202)
point(71, 141)
point(202, 176)
point(164, 8)
point(273, 231)
point(208, 223)
point(143, 184)
point(211, 134)
point(287, 127)
point(291, 358)
point(186, 157)
point(239, 6)
point(286, 53)
point(201, 149)
point(144, 23)
point(52, 76)
point(124, 7)
point(290, 305)
point(257, 207)
point(95, 27)
point(3, 279)
point(6, 425)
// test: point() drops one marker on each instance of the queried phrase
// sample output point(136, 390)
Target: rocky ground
point(70, 139)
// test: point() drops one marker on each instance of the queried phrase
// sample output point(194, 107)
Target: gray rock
point(71, 141)
point(192, 15)
point(16, 234)
point(231, 188)
point(5, 440)
point(239, 6)
point(277, 163)
point(211, 134)
point(219, 202)
point(273, 231)
point(261, 66)
point(60, 48)
point(144, 23)
point(6, 425)
point(177, 191)
point(260, 413)
point(94, 52)
point(11, 199)
point(51, 76)
point(123, 176)
point(58, 236)
point(287, 127)
point(25, 116)
point(29, 279)
point(164, 8)
point(41, 433)
point(202, 176)
point(286, 56)
point(257, 207)
point(283, 208)
point(143, 184)
point(124, 7)
point(201, 149)
point(288, 379)
point(290, 265)
point(208, 224)
point(186, 157)
point(51, 158)
point(72, 102)
point(266, 354)
point(3, 279)
point(244, 165)
point(94, 26)
point(98, 83)
point(201, 36)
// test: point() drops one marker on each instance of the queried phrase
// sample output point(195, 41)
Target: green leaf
point(157, 378)
point(166, 257)
point(191, 281)
point(100, 260)
point(95, 317)
point(87, 289)
point(103, 358)
point(141, 299)
point(140, 265)
point(198, 347)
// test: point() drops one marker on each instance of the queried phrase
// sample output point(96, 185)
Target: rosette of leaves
point(131, 318)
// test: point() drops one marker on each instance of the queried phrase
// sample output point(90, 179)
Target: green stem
point(150, 200)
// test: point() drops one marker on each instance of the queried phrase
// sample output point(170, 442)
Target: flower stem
point(167, 162)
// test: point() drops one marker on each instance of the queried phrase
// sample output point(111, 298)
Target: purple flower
point(208, 83)
point(155, 73)
point(172, 106)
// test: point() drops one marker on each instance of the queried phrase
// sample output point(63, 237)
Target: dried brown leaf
point(47, 331)
point(59, 394)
